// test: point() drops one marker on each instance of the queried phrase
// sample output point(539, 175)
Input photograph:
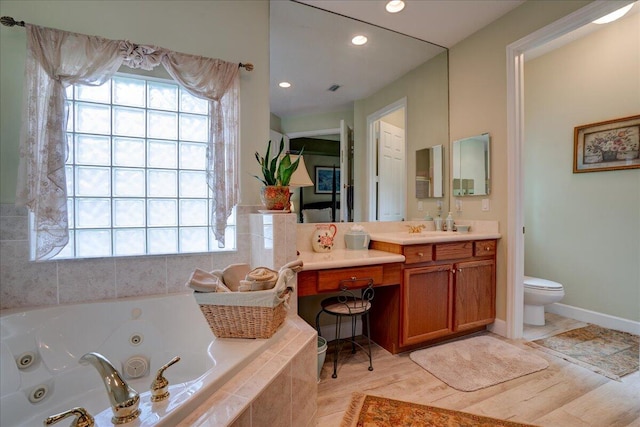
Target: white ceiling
point(310, 47)
point(443, 22)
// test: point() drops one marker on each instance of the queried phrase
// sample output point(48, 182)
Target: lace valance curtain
point(57, 59)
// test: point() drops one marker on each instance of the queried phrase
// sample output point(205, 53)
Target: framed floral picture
point(604, 146)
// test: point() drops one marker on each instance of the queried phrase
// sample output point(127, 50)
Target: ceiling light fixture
point(394, 6)
point(359, 40)
point(614, 15)
point(284, 84)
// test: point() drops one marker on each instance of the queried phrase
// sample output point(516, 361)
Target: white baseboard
point(498, 327)
point(600, 319)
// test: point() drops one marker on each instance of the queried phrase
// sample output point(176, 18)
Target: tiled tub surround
point(278, 387)
point(30, 284)
point(218, 382)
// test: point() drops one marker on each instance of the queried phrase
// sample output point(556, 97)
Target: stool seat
point(348, 304)
point(349, 308)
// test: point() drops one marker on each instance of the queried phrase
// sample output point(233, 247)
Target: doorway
point(387, 166)
point(515, 148)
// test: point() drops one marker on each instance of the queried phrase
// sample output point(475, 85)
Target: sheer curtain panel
point(57, 59)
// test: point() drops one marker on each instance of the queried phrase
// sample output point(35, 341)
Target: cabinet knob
point(420, 254)
point(487, 248)
point(353, 277)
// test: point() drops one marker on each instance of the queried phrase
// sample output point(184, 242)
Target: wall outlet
point(485, 204)
point(458, 205)
point(420, 206)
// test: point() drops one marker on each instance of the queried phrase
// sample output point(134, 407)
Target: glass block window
point(136, 170)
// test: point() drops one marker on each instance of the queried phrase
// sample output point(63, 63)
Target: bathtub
point(41, 376)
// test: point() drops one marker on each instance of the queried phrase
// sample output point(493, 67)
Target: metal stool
point(347, 303)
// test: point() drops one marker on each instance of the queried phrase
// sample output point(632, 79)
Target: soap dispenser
point(449, 222)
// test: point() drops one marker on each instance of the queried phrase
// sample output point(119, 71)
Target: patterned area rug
point(477, 362)
point(373, 411)
point(611, 353)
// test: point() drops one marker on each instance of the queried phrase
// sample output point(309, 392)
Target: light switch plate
point(485, 204)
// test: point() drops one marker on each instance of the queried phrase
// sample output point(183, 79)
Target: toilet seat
point(542, 284)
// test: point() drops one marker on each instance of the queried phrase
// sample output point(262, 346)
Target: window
point(136, 170)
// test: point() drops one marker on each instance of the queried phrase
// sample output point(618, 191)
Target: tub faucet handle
point(83, 418)
point(160, 386)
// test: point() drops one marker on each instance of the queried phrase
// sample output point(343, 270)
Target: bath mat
point(608, 352)
point(478, 362)
point(374, 411)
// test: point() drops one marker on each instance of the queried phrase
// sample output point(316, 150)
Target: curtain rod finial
point(8, 21)
point(248, 66)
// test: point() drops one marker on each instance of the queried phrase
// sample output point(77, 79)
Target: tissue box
point(356, 239)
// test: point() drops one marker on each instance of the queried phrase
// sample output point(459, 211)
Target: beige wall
point(478, 103)
point(583, 230)
point(311, 122)
point(231, 30)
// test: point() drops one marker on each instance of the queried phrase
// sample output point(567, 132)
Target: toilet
point(537, 294)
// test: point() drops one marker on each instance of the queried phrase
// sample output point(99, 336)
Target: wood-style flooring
point(563, 395)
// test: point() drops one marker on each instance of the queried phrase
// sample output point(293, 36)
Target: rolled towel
point(263, 274)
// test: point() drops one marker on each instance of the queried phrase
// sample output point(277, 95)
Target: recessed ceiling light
point(394, 6)
point(614, 15)
point(359, 40)
point(284, 84)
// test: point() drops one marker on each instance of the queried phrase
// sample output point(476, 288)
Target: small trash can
point(322, 352)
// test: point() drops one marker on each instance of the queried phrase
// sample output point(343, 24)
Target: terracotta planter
point(275, 197)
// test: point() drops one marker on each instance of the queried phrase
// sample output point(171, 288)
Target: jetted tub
point(40, 348)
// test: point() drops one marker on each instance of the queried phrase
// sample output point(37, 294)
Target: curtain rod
point(8, 21)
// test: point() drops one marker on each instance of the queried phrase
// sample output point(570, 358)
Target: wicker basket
point(227, 321)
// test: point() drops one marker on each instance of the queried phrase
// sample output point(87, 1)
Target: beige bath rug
point(608, 352)
point(477, 362)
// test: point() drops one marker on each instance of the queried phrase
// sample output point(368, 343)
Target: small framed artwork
point(324, 180)
point(605, 146)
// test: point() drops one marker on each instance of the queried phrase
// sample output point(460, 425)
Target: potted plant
point(276, 175)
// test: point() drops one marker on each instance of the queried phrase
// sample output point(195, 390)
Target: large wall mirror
point(336, 87)
point(470, 172)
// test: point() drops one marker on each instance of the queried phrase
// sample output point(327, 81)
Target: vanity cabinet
point(427, 301)
point(475, 300)
point(447, 290)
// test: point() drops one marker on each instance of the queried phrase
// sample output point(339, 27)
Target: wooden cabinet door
point(475, 294)
point(427, 303)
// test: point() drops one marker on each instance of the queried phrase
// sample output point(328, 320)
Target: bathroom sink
point(406, 238)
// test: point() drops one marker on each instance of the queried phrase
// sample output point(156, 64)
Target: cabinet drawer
point(484, 247)
point(418, 253)
point(453, 250)
point(329, 280)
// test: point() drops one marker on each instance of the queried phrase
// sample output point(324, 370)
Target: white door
point(344, 173)
point(391, 173)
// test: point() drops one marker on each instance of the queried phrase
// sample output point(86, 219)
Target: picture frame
point(608, 145)
point(324, 180)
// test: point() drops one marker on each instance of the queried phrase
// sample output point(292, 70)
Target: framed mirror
point(430, 172)
point(471, 165)
point(333, 81)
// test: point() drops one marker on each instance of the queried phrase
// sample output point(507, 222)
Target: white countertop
point(406, 238)
point(339, 258)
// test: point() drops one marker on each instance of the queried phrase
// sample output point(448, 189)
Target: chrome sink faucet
point(124, 399)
